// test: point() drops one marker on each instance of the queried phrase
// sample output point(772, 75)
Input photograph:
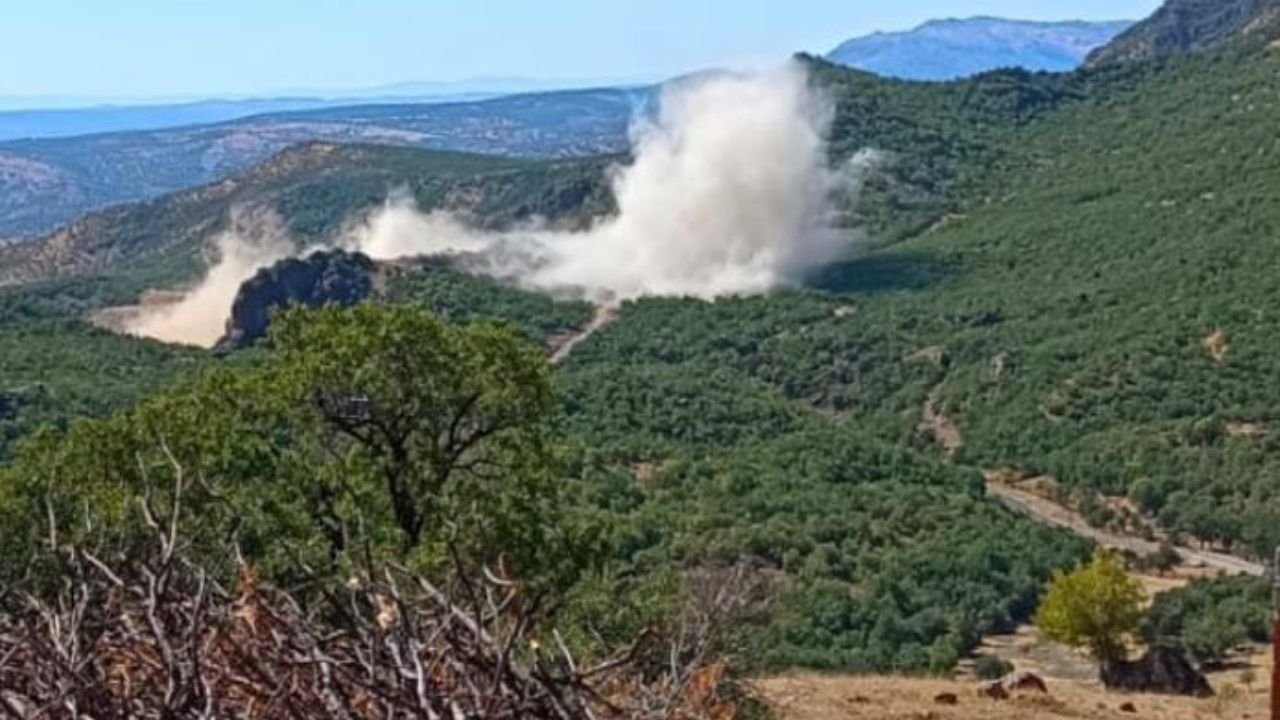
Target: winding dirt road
point(1050, 513)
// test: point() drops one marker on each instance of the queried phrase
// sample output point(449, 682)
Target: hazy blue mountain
point(65, 122)
point(949, 49)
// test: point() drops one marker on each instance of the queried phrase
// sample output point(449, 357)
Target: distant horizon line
point(407, 89)
point(479, 85)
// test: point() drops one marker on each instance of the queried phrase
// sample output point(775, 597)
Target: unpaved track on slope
point(1050, 513)
point(604, 317)
point(947, 436)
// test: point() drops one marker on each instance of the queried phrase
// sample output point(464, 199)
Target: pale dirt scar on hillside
point(935, 423)
point(562, 347)
point(1217, 346)
point(1034, 497)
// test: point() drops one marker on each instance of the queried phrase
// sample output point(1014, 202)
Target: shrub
point(991, 667)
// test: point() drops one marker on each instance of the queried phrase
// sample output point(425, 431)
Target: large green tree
point(364, 434)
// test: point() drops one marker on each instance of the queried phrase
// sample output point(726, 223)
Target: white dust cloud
point(200, 316)
point(729, 194)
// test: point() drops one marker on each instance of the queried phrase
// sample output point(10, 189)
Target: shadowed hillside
point(1182, 26)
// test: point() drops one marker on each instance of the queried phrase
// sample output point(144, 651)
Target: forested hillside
point(1182, 26)
point(1102, 315)
point(312, 189)
point(1065, 275)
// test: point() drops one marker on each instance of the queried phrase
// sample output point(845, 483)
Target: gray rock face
point(323, 278)
point(1182, 26)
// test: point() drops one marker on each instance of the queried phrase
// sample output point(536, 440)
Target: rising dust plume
point(729, 194)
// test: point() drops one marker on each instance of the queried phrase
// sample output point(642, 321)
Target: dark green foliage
point(1212, 617)
point(1136, 227)
point(887, 560)
point(461, 298)
point(934, 139)
point(991, 667)
point(54, 368)
point(1099, 228)
point(366, 434)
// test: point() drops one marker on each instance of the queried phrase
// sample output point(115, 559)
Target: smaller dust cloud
point(254, 241)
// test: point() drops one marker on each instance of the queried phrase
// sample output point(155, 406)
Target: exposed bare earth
point(935, 423)
point(564, 347)
point(1071, 677)
point(817, 697)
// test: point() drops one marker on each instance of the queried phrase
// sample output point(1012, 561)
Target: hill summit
point(950, 49)
point(1182, 26)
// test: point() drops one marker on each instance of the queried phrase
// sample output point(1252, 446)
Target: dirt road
point(603, 318)
point(1051, 513)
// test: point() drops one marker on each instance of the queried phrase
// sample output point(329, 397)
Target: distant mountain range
point(45, 183)
point(59, 116)
point(950, 49)
point(67, 122)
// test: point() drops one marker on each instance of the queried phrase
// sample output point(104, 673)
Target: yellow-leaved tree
point(1097, 607)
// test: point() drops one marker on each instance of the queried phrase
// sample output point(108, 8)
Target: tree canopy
point(366, 432)
point(1097, 607)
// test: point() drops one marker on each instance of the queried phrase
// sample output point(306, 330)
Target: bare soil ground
point(934, 423)
point(818, 697)
point(1072, 678)
point(563, 347)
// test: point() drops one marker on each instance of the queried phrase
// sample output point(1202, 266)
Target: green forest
point(1077, 268)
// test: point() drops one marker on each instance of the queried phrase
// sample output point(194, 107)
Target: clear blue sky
point(202, 47)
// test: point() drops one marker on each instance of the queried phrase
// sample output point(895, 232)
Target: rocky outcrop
point(323, 278)
point(1162, 670)
point(1183, 26)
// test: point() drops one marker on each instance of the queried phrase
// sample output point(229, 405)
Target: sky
point(204, 48)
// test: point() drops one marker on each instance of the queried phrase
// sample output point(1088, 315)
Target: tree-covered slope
point(312, 189)
point(1096, 307)
point(1182, 26)
point(1127, 264)
point(1077, 272)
